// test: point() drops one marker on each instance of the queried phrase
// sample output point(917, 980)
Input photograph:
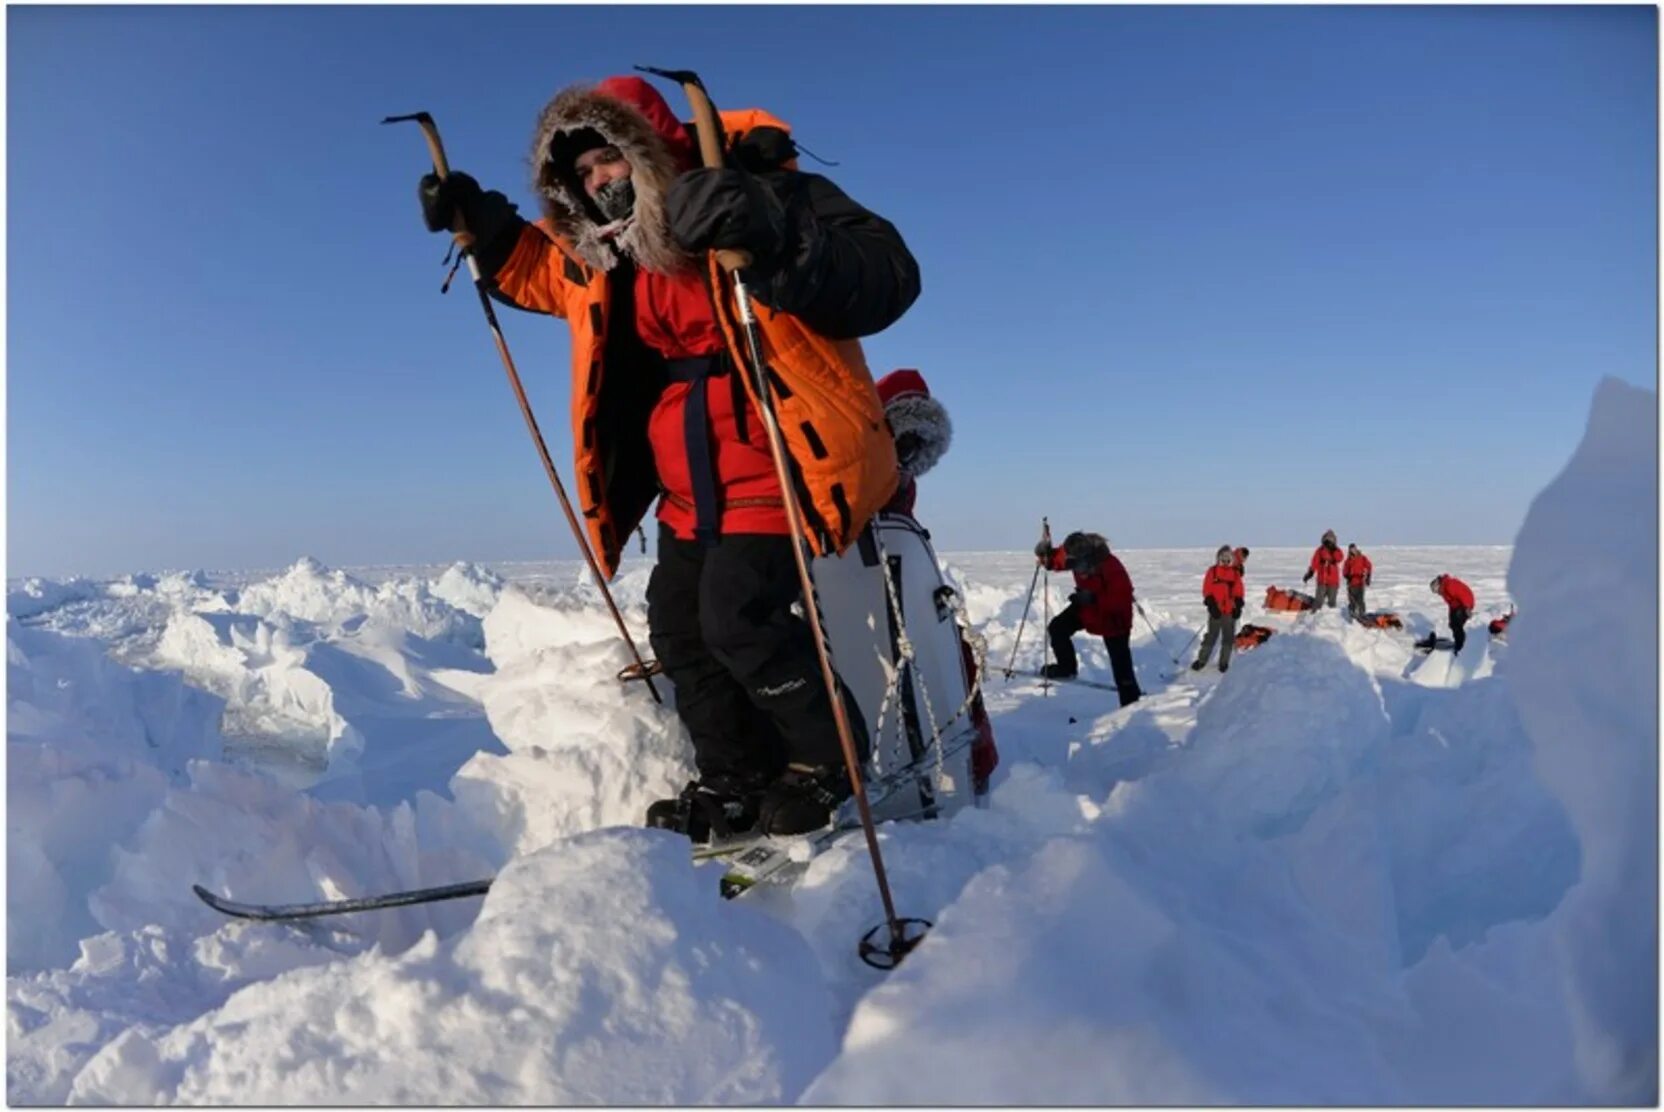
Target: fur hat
point(918, 421)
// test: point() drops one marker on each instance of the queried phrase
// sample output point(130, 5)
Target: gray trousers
point(1223, 629)
point(1355, 601)
point(1324, 596)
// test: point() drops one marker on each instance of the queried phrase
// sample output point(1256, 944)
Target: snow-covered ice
point(1345, 872)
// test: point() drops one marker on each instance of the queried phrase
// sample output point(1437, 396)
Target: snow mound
point(581, 754)
point(1584, 671)
point(590, 961)
point(311, 592)
point(37, 596)
point(274, 704)
point(1297, 722)
point(468, 587)
point(91, 749)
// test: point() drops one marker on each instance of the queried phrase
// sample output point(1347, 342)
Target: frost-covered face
point(604, 173)
point(600, 166)
point(1225, 556)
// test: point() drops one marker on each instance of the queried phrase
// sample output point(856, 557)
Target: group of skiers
point(667, 407)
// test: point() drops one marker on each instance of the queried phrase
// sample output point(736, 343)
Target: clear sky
point(1191, 275)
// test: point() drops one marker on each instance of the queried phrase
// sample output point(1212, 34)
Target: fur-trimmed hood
point(630, 114)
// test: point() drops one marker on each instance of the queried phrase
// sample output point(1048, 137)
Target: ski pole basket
point(905, 935)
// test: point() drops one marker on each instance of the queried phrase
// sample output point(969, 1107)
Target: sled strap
point(696, 435)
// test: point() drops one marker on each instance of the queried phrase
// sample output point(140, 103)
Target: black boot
point(803, 799)
point(1198, 665)
point(719, 805)
point(1058, 672)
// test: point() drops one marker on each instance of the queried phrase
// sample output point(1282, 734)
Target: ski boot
point(1058, 672)
point(1198, 665)
point(1224, 667)
point(803, 799)
point(718, 805)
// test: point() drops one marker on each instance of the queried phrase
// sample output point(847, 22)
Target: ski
point(751, 860)
point(282, 912)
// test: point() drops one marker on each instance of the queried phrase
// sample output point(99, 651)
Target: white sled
point(917, 712)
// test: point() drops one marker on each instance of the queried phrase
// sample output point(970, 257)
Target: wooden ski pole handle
point(708, 127)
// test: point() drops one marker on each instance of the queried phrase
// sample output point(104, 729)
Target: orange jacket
point(1357, 570)
point(1222, 584)
point(842, 456)
point(1326, 564)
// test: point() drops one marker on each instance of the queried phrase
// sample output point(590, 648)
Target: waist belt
point(696, 437)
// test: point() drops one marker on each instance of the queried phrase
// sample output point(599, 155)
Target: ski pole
point(464, 240)
point(710, 133)
point(1034, 580)
point(1178, 664)
point(1156, 633)
point(1046, 535)
point(1046, 612)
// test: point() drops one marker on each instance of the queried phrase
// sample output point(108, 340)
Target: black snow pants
point(748, 680)
point(1062, 631)
point(1458, 634)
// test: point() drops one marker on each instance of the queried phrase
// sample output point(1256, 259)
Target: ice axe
point(905, 934)
point(464, 244)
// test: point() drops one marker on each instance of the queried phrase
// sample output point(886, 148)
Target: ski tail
point(286, 912)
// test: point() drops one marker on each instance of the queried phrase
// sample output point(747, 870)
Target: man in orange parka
point(1325, 564)
point(664, 407)
point(1358, 572)
point(1459, 597)
point(1222, 594)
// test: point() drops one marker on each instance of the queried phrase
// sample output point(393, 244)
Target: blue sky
point(1191, 275)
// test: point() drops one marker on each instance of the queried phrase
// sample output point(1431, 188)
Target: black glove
point(491, 217)
point(1368, 579)
point(714, 209)
point(1083, 597)
point(1213, 608)
point(1236, 609)
point(1307, 577)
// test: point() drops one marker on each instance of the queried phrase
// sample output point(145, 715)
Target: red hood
point(644, 98)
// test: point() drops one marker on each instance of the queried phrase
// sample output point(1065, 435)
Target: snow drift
point(1343, 873)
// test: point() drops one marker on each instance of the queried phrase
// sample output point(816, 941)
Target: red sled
point(1278, 599)
point(1250, 636)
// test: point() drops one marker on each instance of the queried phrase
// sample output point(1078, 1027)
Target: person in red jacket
point(1239, 559)
point(1325, 565)
point(1459, 597)
point(1222, 594)
point(1101, 604)
point(1358, 572)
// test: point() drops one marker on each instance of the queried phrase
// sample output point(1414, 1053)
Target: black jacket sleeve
point(842, 270)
